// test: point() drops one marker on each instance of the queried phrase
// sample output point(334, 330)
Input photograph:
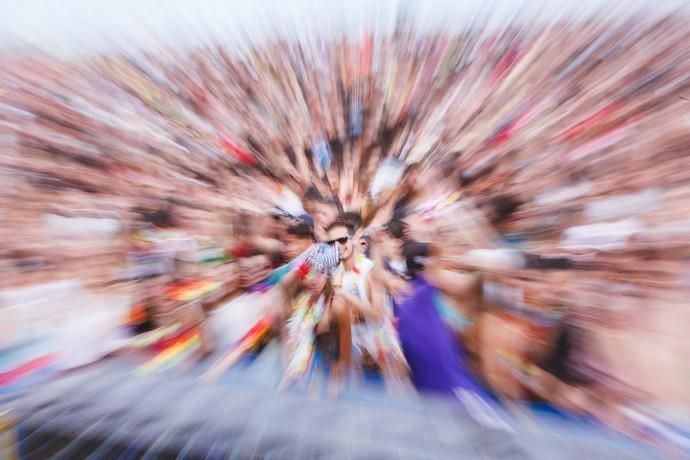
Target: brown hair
point(341, 222)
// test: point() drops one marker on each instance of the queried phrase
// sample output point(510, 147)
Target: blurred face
point(390, 247)
point(295, 246)
point(340, 237)
point(362, 245)
point(412, 179)
point(273, 224)
point(324, 213)
point(315, 283)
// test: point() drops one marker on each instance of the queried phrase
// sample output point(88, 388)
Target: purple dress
point(433, 352)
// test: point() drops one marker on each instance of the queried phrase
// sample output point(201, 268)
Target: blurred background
point(169, 169)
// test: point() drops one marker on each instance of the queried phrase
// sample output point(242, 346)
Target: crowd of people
point(503, 215)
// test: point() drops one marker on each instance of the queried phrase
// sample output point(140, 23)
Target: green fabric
point(278, 274)
point(216, 260)
point(450, 315)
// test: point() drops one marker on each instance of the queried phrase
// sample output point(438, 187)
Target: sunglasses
point(341, 240)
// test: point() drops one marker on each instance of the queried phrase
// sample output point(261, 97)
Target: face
point(340, 237)
point(273, 224)
point(324, 213)
point(295, 246)
point(390, 247)
point(315, 283)
point(362, 245)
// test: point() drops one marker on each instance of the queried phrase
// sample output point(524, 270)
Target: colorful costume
point(378, 340)
point(320, 257)
point(301, 331)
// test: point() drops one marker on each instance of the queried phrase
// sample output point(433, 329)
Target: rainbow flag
point(254, 336)
point(186, 345)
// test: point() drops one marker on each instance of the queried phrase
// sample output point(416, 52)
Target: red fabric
point(503, 135)
point(175, 290)
point(303, 271)
point(241, 250)
point(180, 336)
point(200, 97)
point(503, 66)
point(497, 180)
point(237, 152)
point(25, 369)
point(590, 121)
point(137, 315)
point(257, 332)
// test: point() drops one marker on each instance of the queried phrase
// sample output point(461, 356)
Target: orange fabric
point(137, 315)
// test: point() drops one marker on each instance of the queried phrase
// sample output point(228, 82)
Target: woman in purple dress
point(434, 354)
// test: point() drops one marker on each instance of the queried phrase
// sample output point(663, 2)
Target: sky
point(84, 26)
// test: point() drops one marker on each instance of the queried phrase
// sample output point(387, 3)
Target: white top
point(355, 283)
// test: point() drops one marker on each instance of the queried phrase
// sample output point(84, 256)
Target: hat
point(307, 219)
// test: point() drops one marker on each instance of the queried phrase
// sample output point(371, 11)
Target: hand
point(340, 294)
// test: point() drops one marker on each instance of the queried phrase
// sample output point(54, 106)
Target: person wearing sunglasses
point(358, 295)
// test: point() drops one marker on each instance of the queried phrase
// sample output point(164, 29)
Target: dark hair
point(341, 222)
point(400, 210)
point(312, 194)
point(397, 229)
point(503, 207)
point(160, 218)
point(302, 230)
point(354, 219)
point(414, 252)
point(410, 168)
point(290, 153)
point(464, 179)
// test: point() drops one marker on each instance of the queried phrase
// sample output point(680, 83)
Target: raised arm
point(375, 292)
point(265, 244)
point(461, 286)
point(363, 307)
